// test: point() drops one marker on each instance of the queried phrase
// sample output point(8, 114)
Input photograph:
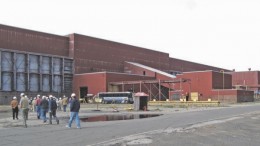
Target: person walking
point(38, 106)
point(14, 105)
point(64, 103)
point(52, 110)
point(59, 104)
point(30, 103)
point(44, 108)
point(74, 111)
point(24, 105)
point(34, 104)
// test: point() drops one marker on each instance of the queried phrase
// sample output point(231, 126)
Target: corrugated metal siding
point(218, 78)
point(20, 63)
point(68, 66)
point(7, 81)
point(20, 82)
point(34, 73)
point(57, 83)
point(34, 82)
point(57, 66)
point(7, 61)
point(45, 65)
point(34, 64)
point(46, 83)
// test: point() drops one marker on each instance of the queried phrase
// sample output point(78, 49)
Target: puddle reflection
point(118, 117)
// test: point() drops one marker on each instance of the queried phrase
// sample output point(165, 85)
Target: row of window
point(33, 72)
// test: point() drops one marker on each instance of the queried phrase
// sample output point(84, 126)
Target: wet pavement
point(117, 117)
point(90, 113)
point(236, 125)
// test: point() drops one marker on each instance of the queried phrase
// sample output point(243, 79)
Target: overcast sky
point(221, 33)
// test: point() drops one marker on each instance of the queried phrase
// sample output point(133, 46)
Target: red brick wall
point(204, 82)
point(95, 82)
point(232, 95)
point(246, 78)
point(115, 77)
point(186, 66)
point(200, 82)
point(94, 55)
point(33, 41)
point(98, 82)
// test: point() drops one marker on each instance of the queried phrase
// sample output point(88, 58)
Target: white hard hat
point(73, 94)
point(14, 97)
point(22, 94)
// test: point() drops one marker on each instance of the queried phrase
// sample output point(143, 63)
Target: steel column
point(40, 72)
point(52, 76)
point(14, 71)
point(1, 70)
point(62, 71)
point(28, 71)
point(159, 90)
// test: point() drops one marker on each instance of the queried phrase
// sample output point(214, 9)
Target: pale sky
point(221, 33)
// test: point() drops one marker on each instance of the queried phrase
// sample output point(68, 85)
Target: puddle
point(3, 111)
point(118, 117)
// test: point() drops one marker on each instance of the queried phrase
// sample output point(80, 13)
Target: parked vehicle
point(116, 97)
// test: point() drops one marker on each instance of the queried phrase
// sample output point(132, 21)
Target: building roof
point(152, 69)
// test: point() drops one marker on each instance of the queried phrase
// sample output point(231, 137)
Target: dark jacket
point(52, 105)
point(74, 105)
point(44, 104)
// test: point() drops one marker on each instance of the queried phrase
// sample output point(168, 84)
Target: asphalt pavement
point(231, 125)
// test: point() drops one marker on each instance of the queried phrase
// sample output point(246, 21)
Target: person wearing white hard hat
point(38, 106)
point(52, 109)
point(59, 103)
point(44, 108)
point(74, 111)
point(15, 109)
point(34, 104)
point(24, 105)
point(64, 103)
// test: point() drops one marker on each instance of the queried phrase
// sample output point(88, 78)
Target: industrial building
point(247, 80)
point(40, 63)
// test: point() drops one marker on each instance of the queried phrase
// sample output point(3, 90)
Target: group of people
point(61, 102)
point(43, 105)
point(24, 106)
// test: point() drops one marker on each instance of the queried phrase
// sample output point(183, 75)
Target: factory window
point(144, 73)
point(35, 72)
